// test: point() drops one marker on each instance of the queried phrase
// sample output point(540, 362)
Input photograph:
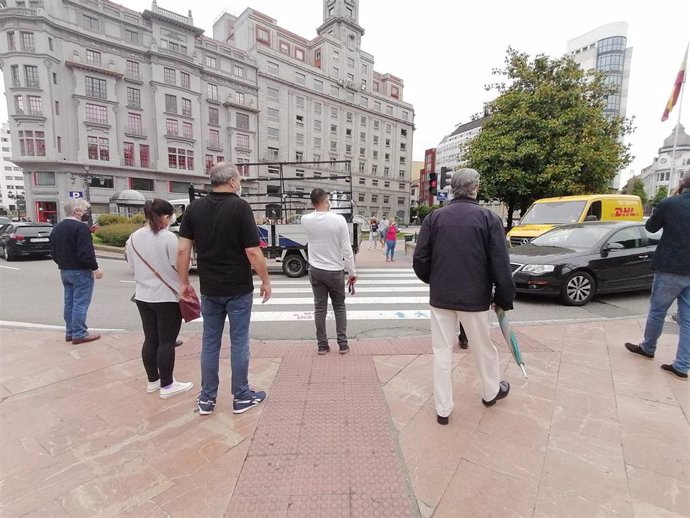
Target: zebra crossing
point(381, 294)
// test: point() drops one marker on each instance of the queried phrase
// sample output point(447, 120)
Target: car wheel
point(9, 256)
point(294, 266)
point(578, 289)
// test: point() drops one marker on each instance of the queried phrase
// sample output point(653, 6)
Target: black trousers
point(161, 322)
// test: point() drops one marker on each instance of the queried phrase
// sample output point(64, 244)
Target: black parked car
point(577, 261)
point(25, 239)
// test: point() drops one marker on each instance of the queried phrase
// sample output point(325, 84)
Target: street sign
point(442, 196)
point(76, 194)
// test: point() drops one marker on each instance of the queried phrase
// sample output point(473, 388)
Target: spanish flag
point(680, 79)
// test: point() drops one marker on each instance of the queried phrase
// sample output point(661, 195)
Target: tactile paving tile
point(380, 505)
point(321, 474)
point(328, 391)
point(279, 428)
point(265, 506)
point(375, 473)
point(324, 429)
point(264, 476)
point(319, 506)
point(288, 391)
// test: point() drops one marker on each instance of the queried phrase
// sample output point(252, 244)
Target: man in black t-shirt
point(221, 226)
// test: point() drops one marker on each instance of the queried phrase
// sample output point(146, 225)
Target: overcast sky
point(444, 50)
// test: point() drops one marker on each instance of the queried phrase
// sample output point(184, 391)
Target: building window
point(212, 91)
point(132, 69)
point(179, 158)
point(401, 186)
point(128, 149)
point(374, 198)
point(186, 105)
point(240, 97)
point(404, 115)
point(170, 103)
point(389, 109)
point(273, 133)
point(98, 148)
point(403, 133)
point(273, 68)
point(334, 129)
point(31, 76)
point(272, 93)
point(334, 146)
point(210, 61)
point(169, 76)
point(35, 105)
point(388, 128)
point(16, 81)
point(273, 114)
point(144, 155)
point(350, 62)
point(96, 87)
point(131, 36)
point(362, 152)
point(375, 183)
point(317, 58)
point(299, 102)
point(178, 187)
point(54, 78)
point(208, 163)
point(43, 179)
point(242, 121)
point(317, 126)
point(299, 54)
point(242, 141)
point(395, 92)
point(262, 35)
point(57, 107)
point(93, 57)
point(96, 113)
point(90, 23)
point(32, 143)
point(102, 182)
point(362, 136)
point(377, 106)
point(300, 78)
point(299, 139)
point(388, 142)
point(284, 48)
point(184, 80)
point(239, 71)
point(360, 197)
point(364, 101)
point(317, 108)
point(335, 92)
point(214, 138)
point(28, 42)
point(59, 144)
point(317, 142)
point(273, 153)
point(141, 184)
point(133, 97)
point(299, 156)
point(375, 155)
point(134, 123)
point(171, 127)
point(11, 41)
point(187, 130)
point(212, 115)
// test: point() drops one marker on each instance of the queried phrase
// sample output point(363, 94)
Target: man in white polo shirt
point(330, 253)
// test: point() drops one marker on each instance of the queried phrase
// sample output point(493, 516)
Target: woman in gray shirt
point(151, 253)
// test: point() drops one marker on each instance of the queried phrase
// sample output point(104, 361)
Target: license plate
point(40, 240)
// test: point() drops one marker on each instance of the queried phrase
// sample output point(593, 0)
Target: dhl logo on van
point(625, 211)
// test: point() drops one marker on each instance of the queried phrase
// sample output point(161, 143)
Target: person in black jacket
point(671, 263)
point(462, 254)
point(75, 256)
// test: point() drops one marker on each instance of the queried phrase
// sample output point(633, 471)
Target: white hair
point(465, 183)
point(75, 204)
point(223, 172)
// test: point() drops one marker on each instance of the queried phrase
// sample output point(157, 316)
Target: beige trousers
point(444, 336)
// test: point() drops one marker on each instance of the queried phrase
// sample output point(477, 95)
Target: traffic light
point(446, 175)
point(433, 184)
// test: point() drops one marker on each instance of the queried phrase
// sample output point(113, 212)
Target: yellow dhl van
point(547, 213)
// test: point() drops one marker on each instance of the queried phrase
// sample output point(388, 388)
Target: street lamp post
point(87, 193)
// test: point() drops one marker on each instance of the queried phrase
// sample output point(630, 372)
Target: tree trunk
point(511, 208)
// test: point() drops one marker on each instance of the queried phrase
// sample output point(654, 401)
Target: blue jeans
point(390, 248)
point(78, 290)
point(238, 310)
point(666, 288)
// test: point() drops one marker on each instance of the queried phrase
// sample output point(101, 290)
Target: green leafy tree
point(638, 190)
point(661, 193)
point(547, 134)
point(424, 210)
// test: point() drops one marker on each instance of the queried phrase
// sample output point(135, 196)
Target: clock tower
point(341, 20)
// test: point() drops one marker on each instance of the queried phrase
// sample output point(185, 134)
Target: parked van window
point(554, 213)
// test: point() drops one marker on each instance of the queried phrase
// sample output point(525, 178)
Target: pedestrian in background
point(462, 254)
point(671, 263)
point(330, 253)
point(391, 238)
point(152, 255)
point(373, 232)
point(222, 227)
point(383, 228)
point(72, 248)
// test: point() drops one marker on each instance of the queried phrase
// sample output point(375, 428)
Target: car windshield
point(557, 212)
point(34, 231)
point(573, 237)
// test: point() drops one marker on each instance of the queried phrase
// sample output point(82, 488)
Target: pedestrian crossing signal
point(433, 184)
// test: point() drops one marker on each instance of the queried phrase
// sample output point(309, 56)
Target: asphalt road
point(31, 293)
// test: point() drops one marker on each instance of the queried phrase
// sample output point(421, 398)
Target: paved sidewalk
point(594, 431)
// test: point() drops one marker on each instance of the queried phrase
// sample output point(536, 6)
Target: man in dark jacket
point(73, 252)
point(671, 263)
point(461, 253)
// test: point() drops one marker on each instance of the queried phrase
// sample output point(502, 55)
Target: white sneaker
point(175, 388)
point(153, 386)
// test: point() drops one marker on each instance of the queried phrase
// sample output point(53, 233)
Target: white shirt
point(160, 251)
point(329, 242)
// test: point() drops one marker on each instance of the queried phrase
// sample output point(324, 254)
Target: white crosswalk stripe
point(381, 294)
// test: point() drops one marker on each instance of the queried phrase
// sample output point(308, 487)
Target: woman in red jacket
point(391, 237)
